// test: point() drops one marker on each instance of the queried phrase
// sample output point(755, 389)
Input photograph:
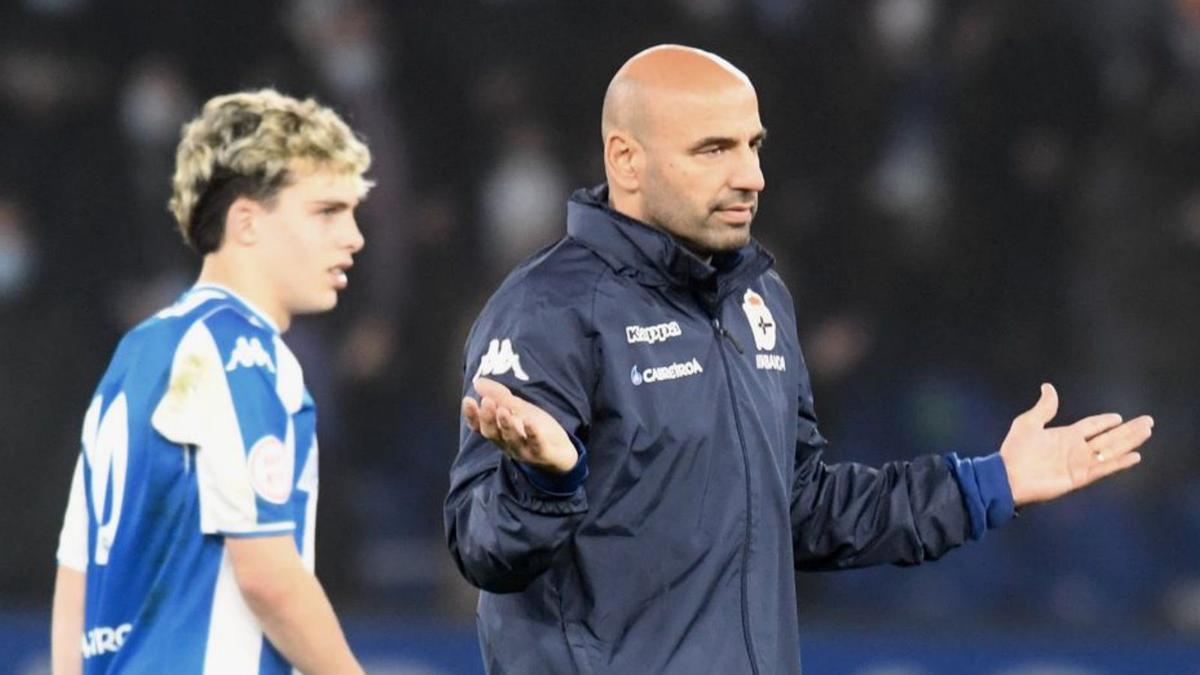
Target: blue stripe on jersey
point(206, 370)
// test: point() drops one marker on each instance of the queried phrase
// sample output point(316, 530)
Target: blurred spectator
point(522, 196)
point(154, 102)
point(18, 253)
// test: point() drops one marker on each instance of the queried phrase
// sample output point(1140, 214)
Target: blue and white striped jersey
point(200, 429)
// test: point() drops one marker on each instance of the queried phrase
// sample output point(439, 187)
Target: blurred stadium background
point(967, 198)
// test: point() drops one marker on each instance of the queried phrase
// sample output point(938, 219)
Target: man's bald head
point(653, 80)
point(681, 140)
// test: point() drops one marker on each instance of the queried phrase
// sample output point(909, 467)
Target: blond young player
point(187, 545)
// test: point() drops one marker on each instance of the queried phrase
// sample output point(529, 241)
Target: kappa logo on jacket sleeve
point(499, 359)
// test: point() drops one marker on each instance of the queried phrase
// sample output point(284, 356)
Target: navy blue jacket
point(671, 547)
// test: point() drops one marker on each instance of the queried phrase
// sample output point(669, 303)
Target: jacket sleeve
point(851, 515)
point(505, 521)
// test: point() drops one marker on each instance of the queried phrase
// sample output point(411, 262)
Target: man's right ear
point(241, 221)
point(624, 160)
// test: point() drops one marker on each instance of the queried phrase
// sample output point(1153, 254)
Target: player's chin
point(319, 302)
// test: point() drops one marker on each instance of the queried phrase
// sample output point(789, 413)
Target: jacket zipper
point(724, 332)
point(737, 420)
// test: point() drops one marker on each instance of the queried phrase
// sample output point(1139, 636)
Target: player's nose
point(354, 237)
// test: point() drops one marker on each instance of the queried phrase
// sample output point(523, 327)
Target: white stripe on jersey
point(227, 501)
point(235, 637)
point(106, 449)
point(191, 301)
point(308, 483)
point(72, 540)
point(289, 380)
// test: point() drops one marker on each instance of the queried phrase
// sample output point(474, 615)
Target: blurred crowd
point(967, 198)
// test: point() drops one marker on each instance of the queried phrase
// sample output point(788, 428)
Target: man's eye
point(713, 151)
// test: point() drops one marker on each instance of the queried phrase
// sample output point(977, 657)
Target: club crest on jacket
point(762, 324)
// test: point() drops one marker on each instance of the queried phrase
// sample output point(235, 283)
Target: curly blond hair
point(248, 144)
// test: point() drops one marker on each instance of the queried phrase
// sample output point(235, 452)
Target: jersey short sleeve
point(224, 400)
point(73, 538)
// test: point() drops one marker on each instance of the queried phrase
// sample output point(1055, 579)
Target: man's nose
point(748, 175)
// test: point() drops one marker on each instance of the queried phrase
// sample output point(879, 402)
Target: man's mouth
point(736, 213)
point(339, 276)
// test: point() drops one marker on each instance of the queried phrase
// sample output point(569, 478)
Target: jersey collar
point(246, 304)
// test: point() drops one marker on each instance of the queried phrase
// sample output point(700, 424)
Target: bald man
point(640, 471)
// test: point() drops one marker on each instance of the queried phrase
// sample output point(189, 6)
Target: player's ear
point(624, 160)
point(242, 221)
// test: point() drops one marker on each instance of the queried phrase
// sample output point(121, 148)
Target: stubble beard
point(701, 233)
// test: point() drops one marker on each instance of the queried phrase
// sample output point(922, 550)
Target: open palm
point(1046, 462)
point(522, 430)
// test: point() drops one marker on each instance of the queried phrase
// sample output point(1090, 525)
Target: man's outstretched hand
point(522, 430)
point(1047, 462)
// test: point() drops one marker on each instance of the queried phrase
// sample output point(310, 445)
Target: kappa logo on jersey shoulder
point(249, 353)
point(499, 359)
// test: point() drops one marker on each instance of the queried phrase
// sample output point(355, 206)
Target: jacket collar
point(653, 257)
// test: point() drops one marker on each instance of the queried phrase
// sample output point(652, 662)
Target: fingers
point(494, 390)
point(510, 428)
point(497, 423)
point(1096, 424)
point(534, 434)
point(470, 413)
point(1043, 411)
point(522, 430)
point(519, 424)
point(1110, 466)
point(1121, 440)
point(502, 395)
point(487, 419)
point(1046, 407)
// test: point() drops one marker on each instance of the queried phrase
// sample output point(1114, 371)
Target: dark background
point(967, 198)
